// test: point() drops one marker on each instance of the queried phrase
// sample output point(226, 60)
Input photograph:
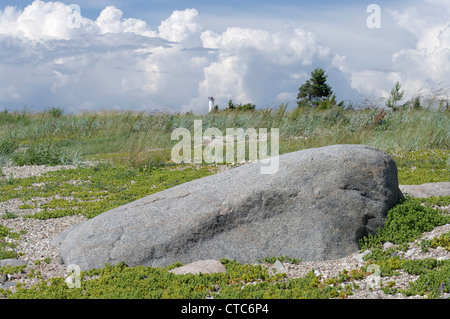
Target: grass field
point(132, 154)
point(137, 139)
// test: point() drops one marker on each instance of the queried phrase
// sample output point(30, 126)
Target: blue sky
point(172, 55)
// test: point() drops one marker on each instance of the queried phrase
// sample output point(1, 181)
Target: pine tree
point(314, 89)
point(396, 96)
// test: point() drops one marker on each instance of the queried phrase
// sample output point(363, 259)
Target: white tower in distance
point(211, 103)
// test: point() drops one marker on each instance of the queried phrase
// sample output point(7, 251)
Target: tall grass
point(137, 138)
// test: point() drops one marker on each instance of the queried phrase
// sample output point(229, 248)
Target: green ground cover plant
point(424, 166)
point(140, 282)
point(432, 281)
point(442, 241)
point(407, 221)
point(7, 248)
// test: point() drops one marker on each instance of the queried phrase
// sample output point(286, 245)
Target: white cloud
point(55, 56)
point(40, 20)
point(181, 27)
point(286, 47)
point(224, 80)
point(52, 59)
point(369, 82)
point(426, 66)
point(284, 97)
point(110, 21)
point(420, 69)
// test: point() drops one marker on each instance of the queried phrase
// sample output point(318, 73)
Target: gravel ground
point(36, 246)
point(36, 243)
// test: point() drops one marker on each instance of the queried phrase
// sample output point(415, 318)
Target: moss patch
point(6, 246)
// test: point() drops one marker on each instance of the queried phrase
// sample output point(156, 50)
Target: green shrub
point(434, 278)
point(272, 260)
point(7, 147)
point(123, 282)
point(6, 248)
point(55, 112)
point(405, 222)
point(241, 107)
point(41, 154)
point(443, 241)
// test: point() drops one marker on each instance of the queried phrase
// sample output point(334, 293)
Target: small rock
point(410, 252)
point(387, 245)
point(8, 284)
point(279, 267)
point(202, 266)
point(427, 190)
point(359, 257)
point(12, 262)
point(3, 279)
point(376, 295)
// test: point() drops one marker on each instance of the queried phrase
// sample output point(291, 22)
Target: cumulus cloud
point(421, 69)
point(427, 66)
point(55, 56)
point(111, 20)
point(182, 27)
point(52, 55)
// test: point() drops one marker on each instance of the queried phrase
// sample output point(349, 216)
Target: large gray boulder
point(317, 206)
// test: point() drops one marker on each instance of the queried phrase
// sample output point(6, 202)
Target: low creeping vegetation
point(6, 247)
point(240, 282)
point(405, 223)
point(408, 220)
point(420, 167)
